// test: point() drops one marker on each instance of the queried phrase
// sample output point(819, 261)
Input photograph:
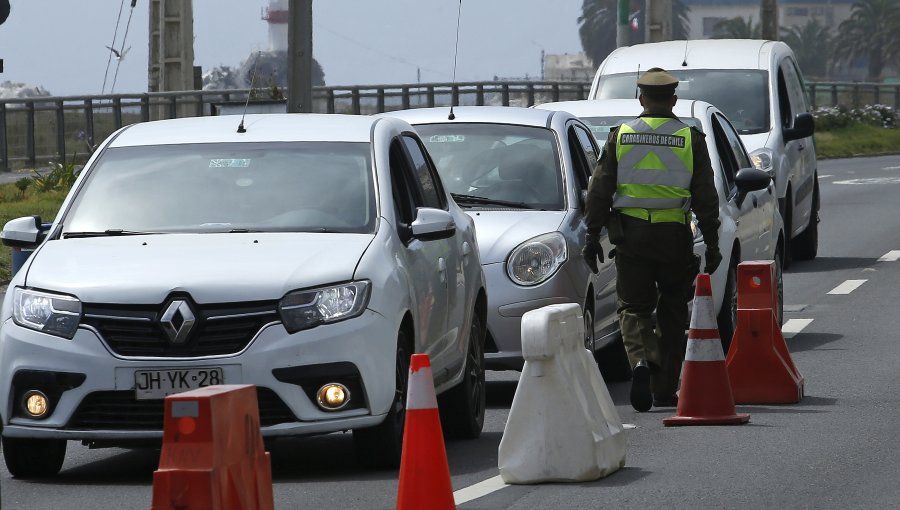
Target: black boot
point(641, 398)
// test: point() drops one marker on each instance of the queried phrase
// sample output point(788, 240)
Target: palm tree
point(812, 44)
point(873, 32)
point(737, 28)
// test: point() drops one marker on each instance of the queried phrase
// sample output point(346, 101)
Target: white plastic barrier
point(563, 426)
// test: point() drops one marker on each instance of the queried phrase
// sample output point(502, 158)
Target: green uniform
point(666, 173)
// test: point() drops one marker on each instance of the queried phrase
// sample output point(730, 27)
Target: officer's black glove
point(713, 259)
point(592, 251)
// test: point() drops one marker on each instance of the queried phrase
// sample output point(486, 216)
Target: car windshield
point(504, 162)
point(601, 126)
point(742, 95)
point(227, 187)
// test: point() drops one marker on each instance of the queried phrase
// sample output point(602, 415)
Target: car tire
point(381, 446)
point(613, 361)
point(589, 337)
point(779, 282)
point(462, 407)
point(787, 219)
point(728, 311)
point(34, 458)
point(806, 245)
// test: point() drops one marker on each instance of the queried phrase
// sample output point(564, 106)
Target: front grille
point(220, 329)
point(118, 410)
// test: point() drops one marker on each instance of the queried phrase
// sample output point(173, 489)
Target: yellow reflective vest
point(656, 164)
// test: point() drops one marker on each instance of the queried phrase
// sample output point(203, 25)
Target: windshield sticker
point(229, 163)
point(447, 138)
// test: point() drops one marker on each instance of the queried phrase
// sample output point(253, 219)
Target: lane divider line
point(825, 176)
point(792, 327)
point(479, 490)
point(891, 256)
point(847, 287)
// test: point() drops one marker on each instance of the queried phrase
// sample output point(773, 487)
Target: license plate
point(156, 384)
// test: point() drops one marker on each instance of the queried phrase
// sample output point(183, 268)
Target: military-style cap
point(657, 82)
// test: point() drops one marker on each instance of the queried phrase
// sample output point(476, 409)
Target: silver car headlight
point(308, 308)
point(54, 314)
point(537, 259)
point(762, 160)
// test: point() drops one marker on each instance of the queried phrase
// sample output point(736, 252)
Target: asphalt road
point(836, 449)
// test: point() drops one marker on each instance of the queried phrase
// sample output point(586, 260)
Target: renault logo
point(177, 321)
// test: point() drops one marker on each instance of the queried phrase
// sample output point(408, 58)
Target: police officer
point(653, 172)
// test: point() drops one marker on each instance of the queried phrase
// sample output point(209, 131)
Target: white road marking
point(847, 287)
point(825, 176)
point(891, 168)
point(891, 256)
point(872, 180)
point(629, 426)
point(793, 326)
point(478, 490)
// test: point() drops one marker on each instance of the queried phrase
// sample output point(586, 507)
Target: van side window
point(405, 199)
point(726, 155)
point(784, 103)
point(795, 88)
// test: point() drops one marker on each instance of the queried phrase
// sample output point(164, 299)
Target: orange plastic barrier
point(424, 473)
point(213, 456)
point(759, 364)
point(705, 397)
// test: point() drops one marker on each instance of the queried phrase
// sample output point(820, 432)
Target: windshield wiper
point(473, 200)
point(113, 232)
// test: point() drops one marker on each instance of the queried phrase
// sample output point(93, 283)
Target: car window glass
point(405, 200)
point(579, 159)
point(726, 156)
point(601, 126)
point(741, 94)
point(225, 187)
point(588, 144)
point(734, 141)
point(422, 172)
point(497, 161)
point(794, 88)
point(784, 102)
point(804, 93)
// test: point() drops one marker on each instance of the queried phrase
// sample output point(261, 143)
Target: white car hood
point(499, 232)
point(212, 268)
point(753, 142)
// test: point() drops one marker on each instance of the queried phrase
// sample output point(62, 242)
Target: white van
point(759, 87)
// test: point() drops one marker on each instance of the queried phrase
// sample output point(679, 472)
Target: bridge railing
point(37, 130)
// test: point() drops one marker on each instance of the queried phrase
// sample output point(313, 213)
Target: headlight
point(535, 260)
point(54, 314)
point(762, 160)
point(695, 229)
point(308, 308)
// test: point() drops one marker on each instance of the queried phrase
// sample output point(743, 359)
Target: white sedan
point(748, 209)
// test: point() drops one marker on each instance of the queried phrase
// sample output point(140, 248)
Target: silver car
point(751, 227)
point(521, 174)
point(308, 255)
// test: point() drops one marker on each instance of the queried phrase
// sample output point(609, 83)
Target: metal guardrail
point(37, 130)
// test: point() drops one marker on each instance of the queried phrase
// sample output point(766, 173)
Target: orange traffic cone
point(759, 364)
point(424, 473)
point(705, 397)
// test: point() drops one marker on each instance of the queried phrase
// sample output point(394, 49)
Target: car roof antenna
point(241, 128)
point(455, 55)
point(684, 62)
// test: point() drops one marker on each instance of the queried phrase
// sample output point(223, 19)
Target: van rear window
point(742, 95)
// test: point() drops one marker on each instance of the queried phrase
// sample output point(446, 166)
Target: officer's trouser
point(652, 265)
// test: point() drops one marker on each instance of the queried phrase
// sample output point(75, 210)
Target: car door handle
point(442, 268)
point(466, 251)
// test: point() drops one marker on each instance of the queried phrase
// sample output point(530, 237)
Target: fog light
point(36, 404)
point(333, 396)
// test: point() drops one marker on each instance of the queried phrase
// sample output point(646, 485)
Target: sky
point(61, 44)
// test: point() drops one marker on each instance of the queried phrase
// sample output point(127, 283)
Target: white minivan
point(759, 87)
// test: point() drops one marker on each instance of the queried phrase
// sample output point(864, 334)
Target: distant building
point(706, 14)
point(568, 67)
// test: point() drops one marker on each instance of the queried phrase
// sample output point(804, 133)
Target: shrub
point(830, 118)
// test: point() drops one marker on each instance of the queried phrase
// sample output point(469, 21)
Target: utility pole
point(621, 24)
point(658, 20)
point(768, 16)
point(300, 48)
point(171, 66)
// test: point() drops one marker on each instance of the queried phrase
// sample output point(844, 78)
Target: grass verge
point(15, 205)
point(858, 140)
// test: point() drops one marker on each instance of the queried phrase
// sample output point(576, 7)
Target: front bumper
point(367, 343)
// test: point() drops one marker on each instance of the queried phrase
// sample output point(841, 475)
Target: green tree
point(597, 25)
point(737, 28)
point(872, 32)
point(812, 44)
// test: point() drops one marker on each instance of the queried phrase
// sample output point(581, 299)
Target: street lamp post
point(300, 50)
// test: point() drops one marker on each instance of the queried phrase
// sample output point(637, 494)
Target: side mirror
point(751, 179)
point(432, 224)
point(804, 126)
point(24, 232)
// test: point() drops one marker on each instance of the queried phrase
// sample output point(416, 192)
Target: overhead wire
point(122, 49)
point(112, 45)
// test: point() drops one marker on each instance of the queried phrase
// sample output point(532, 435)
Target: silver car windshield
point(742, 95)
point(601, 126)
point(227, 187)
point(503, 162)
